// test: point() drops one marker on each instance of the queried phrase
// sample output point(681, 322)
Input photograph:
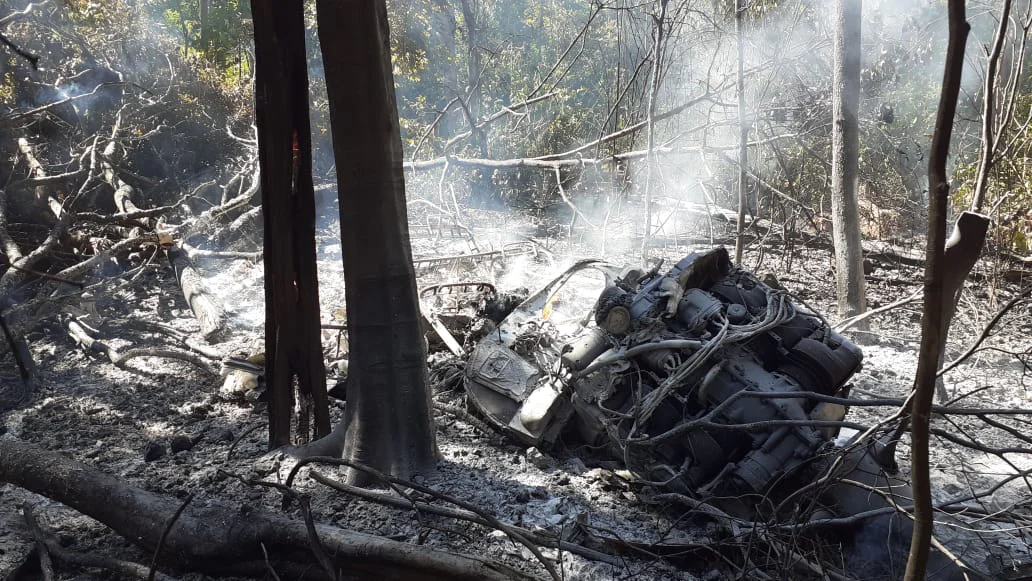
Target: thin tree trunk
point(650, 159)
point(743, 134)
point(470, 102)
point(293, 348)
point(985, 161)
point(932, 334)
point(387, 422)
point(849, 257)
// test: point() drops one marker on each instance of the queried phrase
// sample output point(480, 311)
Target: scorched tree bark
point(387, 423)
point(293, 349)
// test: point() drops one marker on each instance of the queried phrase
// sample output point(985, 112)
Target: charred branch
point(201, 538)
point(205, 306)
point(83, 337)
point(32, 58)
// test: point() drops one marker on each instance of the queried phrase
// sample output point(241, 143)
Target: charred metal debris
point(705, 383)
point(666, 374)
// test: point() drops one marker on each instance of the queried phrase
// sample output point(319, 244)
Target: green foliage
point(214, 31)
point(515, 44)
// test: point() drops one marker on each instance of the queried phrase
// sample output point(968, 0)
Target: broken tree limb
point(962, 251)
point(32, 58)
point(242, 223)
point(555, 161)
point(852, 321)
point(128, 217)
point(124, 192)
point(81, 335)
point(460, 514)
point(569, 202)
point(208, 310)
point(37, 172)
point(708, 95)
point(395, 483)
point(10, 248)
point(60, 178)
point(185, 338)
point(207, 218)
point(227, 541)
point(13, 394)
point(986, 331)
point(194, 252)
point(19, 14)
point(510, 110)
point(11, 119)
point(45, 563)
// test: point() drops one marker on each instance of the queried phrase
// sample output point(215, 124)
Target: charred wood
point(186, 339)
point(962, 251)
point(220, 540)
point(81, 335)
point(292, 348)
point(205, 306)
point(36, 171)
point(13, 395)
point(123, 195)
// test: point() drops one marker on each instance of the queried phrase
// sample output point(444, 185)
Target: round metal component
point(737, 313)
point(618, 320)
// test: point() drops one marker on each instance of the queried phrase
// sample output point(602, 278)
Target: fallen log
point(205, 306)
point(220, 540)
point(36, 171)
point(123, 195)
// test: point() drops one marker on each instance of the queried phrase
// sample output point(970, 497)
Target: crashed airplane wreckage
point(702, 381)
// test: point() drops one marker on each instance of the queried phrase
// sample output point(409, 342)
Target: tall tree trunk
point(650, 159)
point(932, 334)
point(481, 179)
point(445, 25)
point(293, 350)
point(849, 268)
point(743, 133)
point(387, 423)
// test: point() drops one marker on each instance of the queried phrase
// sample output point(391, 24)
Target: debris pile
point(714, 389)
point(695, 378)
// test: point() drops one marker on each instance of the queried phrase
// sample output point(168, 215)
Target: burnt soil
point(161, 424)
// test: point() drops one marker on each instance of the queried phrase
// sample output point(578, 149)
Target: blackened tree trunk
point(849, 258)
point(293, 351)
point(932, 331)
point(387, 422)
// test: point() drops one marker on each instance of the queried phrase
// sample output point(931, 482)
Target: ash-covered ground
point(131, 421)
